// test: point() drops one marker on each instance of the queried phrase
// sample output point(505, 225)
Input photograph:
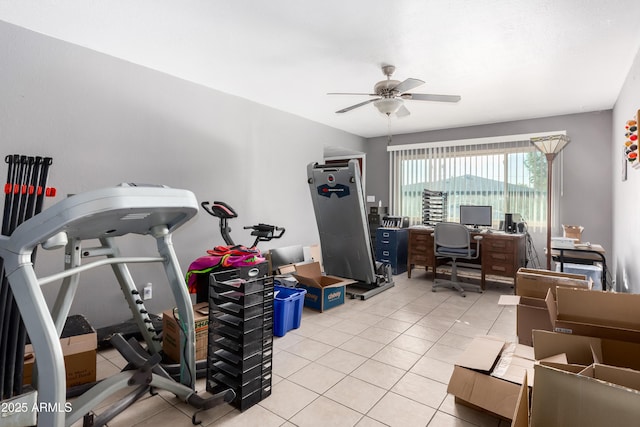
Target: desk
point(582, 254)
point(501, 254)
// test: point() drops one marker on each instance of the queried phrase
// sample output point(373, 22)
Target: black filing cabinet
point(391, 247)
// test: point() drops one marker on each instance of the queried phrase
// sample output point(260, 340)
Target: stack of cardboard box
point(582, 370)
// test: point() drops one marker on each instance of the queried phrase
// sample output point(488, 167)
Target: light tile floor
point(382, 361)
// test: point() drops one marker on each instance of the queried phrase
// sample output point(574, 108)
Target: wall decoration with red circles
point(632, 153)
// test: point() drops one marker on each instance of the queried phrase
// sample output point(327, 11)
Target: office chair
point(453, 241)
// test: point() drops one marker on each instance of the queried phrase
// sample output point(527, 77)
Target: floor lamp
point(550, 146)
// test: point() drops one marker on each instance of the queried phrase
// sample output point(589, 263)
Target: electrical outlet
point(147, 292)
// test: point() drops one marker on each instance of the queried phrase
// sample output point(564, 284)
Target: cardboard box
point(571, 380)
point(323, 292)
point(521, 415)
point(531, 290)
point(490, 376)
point(535, 283)
point(597, 395)
point(573, 232)
point(595, 313)
point(171, 332)
point(79, 344)
point(531, 314)
point(584, 351)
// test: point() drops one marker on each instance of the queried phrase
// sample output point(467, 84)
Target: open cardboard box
point(521, 414)
point(585, 350)
point(531, 289)
point(490, 374)
point(596, 395)
point(323, 291)
point(531, 314)
point(534, 283)
point(574, 388)
point(595, 313)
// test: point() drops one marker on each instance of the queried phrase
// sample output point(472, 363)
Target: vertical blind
point(509, 175)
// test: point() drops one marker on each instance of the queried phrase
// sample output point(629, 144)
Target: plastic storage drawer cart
point(391, 248)
point(240, 337)
point(287, 309)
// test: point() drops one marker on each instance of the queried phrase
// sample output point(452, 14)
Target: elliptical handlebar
point(266, 230)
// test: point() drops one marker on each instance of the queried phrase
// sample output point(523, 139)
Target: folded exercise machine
point(338, 201)
point(105, 215)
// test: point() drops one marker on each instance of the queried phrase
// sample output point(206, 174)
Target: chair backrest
point(451, 235)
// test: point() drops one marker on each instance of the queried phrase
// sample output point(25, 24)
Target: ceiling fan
point(390, 95)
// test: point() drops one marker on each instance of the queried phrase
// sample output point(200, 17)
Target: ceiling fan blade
point(351, 93)
point(408, 85)
point(431, 97)
point(344, 110)
point(402, 112)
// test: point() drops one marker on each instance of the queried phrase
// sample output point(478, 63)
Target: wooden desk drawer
point(507, 269)
point(417, 247)
point(420, 237)
point(498, 245)
point(418, 258)
point(498, 257)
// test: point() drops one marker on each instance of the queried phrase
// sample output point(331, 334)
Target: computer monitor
point(477, 216)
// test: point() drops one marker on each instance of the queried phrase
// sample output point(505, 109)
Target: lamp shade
point(388, 106)
point(552, 144)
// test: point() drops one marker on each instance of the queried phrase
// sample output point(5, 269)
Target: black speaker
point(509, 226)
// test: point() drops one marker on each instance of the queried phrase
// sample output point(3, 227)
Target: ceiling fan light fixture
point(388, 106)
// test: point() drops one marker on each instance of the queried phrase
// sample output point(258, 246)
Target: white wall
point(106, 121)
point(626, 227)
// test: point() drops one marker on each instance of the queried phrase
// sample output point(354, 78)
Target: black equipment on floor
point(24, 191)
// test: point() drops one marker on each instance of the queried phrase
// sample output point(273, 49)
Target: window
point(507, 173)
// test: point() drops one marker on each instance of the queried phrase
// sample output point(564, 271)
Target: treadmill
point(347, 251)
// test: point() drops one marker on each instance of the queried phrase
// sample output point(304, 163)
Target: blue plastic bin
point(287, 309)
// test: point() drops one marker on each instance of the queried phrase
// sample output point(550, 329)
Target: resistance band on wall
point(24, 191)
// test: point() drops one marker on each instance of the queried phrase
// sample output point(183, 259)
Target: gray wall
point(587, 198)
point(106, 121)
point(626, 230)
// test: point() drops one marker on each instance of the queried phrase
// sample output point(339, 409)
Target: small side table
point(582, 254)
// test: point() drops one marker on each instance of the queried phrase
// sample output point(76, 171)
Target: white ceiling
point(508, 59)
